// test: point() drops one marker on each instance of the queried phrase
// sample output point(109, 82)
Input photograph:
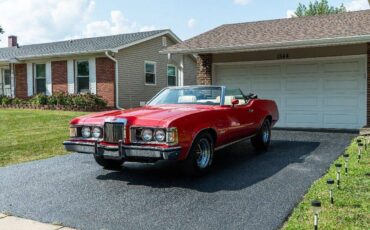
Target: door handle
point(250, 110)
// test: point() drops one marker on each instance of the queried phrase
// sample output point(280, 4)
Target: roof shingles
point(254, 34)
point(85, 45)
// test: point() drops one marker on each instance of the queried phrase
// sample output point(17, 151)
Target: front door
point(6, 83)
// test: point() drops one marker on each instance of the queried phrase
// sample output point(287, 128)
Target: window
point(171, 75)
point(83, 82)
point(164, 41)
point(40, 78)
point(7, 78)
point(150, 69)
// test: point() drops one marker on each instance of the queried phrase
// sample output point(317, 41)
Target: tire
point(262, 140)
point(109, 164)
point(200, 158)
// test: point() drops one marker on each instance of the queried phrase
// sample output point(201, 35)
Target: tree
point(318, 7)
point(1, 30)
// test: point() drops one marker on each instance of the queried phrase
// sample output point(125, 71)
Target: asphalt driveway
point(245, 190)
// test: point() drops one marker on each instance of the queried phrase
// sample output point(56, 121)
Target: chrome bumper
point(127, 152)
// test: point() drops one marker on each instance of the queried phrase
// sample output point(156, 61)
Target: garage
point(315, 93)
point(316, 68)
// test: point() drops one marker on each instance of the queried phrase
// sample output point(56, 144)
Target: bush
point(4, 100)
point(39, 99)
point(79, 100)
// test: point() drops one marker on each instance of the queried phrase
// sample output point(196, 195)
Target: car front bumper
point(124, 152)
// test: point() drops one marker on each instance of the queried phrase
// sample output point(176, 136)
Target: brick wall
point(368, 85)
point(59, 76)
point(21, 80)
point(204, 69)
point(105, 74)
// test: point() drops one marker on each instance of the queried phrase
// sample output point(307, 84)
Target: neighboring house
point(126, 69)
point(316, 68)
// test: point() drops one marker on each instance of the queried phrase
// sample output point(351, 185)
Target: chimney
point(12, 41)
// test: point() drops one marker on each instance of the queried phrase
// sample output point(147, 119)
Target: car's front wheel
point(200, 158)
point(262, 140)
point(108, 164)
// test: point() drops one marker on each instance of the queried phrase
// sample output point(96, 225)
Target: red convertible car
point(186, 124)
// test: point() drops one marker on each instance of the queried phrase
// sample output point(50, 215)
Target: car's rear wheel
point(200, 158)
point(262, 140)
point(108, 164)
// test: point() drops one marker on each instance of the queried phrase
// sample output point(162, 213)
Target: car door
point(242, 117)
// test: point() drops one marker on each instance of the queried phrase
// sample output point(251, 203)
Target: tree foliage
point(318, 7)
point(1, 30)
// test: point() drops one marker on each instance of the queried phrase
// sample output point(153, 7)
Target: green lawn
point(27, 135)
point(351, 209)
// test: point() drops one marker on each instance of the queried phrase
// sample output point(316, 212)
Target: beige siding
point(293, 53)
point(131, 84)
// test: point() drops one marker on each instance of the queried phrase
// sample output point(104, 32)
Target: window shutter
point(48, 79)
point(29, 79)
point(70, 77)
point(92, 75)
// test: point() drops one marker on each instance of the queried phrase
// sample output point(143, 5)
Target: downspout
point(115, 77)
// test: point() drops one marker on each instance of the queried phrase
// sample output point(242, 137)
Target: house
point(126, 69)
point(316, 68)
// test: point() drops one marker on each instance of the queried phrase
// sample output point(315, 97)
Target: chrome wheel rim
point(265, 134)
point(203, 152)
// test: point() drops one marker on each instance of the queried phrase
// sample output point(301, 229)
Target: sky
point(38, 21)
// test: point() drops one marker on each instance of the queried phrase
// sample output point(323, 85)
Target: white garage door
point(315, 93)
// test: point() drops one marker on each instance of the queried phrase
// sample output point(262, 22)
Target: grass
point(27, 135)
point(351, 209)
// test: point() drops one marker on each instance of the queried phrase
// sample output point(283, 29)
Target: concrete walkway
point(16, 223)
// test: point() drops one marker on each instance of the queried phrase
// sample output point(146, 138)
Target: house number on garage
point(283, 56)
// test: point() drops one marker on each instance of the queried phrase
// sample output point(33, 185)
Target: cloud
point(241, 2)
point(290, 13)
point(357, 5)
point(44, 21)
point(191, 23)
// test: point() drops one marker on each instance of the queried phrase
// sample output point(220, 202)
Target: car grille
point(114, 132)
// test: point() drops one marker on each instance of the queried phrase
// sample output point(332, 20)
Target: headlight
point(147, 134)
point(96, 132)
point(86, 132)
point(160, 135)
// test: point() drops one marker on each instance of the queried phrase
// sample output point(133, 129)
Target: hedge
point(56, 101)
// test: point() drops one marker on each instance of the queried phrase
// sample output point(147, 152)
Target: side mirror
point(234, 102)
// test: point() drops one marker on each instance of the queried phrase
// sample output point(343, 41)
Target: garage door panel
point(266, 70)
point(349, 102)
point(340, 119)
point(310, 94)
point(305, 84)
point(302, 68)
point(350, 66)
point(301, 117)
point(266, 84)
point(342, 84)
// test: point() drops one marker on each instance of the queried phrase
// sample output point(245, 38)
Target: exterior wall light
point(316, 208)
point(330, 183)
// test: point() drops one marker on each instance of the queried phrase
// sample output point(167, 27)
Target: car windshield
point(188, 95)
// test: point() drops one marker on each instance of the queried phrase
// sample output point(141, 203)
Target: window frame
point(176, 75)
point(35, 78)
point(81, 76)
point(155, 73)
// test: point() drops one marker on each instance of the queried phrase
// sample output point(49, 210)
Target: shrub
point(39, 99)
point(80, 100)
point(4, 100)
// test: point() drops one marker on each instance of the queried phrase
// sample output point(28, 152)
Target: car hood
point(144, 116)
